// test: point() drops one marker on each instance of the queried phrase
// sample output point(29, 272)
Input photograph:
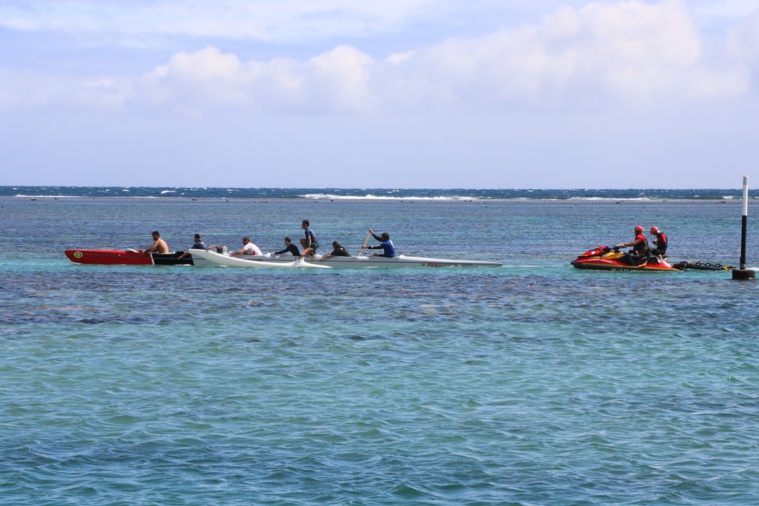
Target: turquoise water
point(534, 383)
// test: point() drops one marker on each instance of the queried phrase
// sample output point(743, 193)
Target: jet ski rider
point(660, 241)
point(640, 250)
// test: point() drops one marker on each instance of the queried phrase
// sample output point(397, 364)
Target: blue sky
point(395, 93)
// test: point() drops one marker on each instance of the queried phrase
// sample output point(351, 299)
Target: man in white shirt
point(248, 248)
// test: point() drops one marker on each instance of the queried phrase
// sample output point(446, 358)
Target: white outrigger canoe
point(208, 258)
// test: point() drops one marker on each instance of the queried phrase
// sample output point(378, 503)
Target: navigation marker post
point(743, 273)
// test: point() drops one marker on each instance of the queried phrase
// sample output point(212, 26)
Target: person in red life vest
point(660, 241)
point(640, 251)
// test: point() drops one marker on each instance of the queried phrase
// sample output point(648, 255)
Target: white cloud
point(626, 53)
point(291, 20)
point(38, 92)
point(723, 8)
point(334, 81)
point(743, 47)
point(281, 20)
point(603, 55)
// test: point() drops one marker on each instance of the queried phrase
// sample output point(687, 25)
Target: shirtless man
point(159, 246)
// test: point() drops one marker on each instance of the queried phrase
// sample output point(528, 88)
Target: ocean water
point(533, 383)
point(369, 193)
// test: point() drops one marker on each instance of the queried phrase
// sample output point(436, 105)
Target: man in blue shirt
point(386, 245)
point(310, 244)
point(199, 244)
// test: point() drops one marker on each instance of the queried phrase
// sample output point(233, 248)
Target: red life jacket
point(661, 242)
point(640, 246)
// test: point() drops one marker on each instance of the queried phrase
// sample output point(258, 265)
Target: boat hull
point(208, 258)
point(124, 257)
point(211, 258)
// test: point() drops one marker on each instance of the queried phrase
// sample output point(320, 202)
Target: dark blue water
point(333, 193)
point(534, 383)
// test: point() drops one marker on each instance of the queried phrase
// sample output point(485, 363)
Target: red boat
point(125, 257)
point(611, 259)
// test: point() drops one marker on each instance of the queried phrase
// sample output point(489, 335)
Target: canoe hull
point(124, 257)
point(208, 258)
point(211, 258)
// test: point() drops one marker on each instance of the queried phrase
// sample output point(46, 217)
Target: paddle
point(364, 245)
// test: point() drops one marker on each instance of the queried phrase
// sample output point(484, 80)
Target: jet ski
point(611, 259)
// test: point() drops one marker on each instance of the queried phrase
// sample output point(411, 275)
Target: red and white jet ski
point(611, 259)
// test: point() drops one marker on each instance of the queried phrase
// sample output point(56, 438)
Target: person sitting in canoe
point(660, 241)
point(310, 244)
point(337, 251)
point(386, 245)
point(640, 251)
point(159, 245)
point(198, 244)
point(248, 248)
point(289, 248)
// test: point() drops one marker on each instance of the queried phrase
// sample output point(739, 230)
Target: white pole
point(744, 221)
point(745, 194)
point(743, 273)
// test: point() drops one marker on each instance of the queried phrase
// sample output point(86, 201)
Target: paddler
point(640, 250)
point(159, 245)
point(289, 248)
point(309, 243)
point(386, 245)
point(338, 250)
point(248, 248)
point(198, 244)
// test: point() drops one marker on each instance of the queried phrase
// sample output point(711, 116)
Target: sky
point(383, 94)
